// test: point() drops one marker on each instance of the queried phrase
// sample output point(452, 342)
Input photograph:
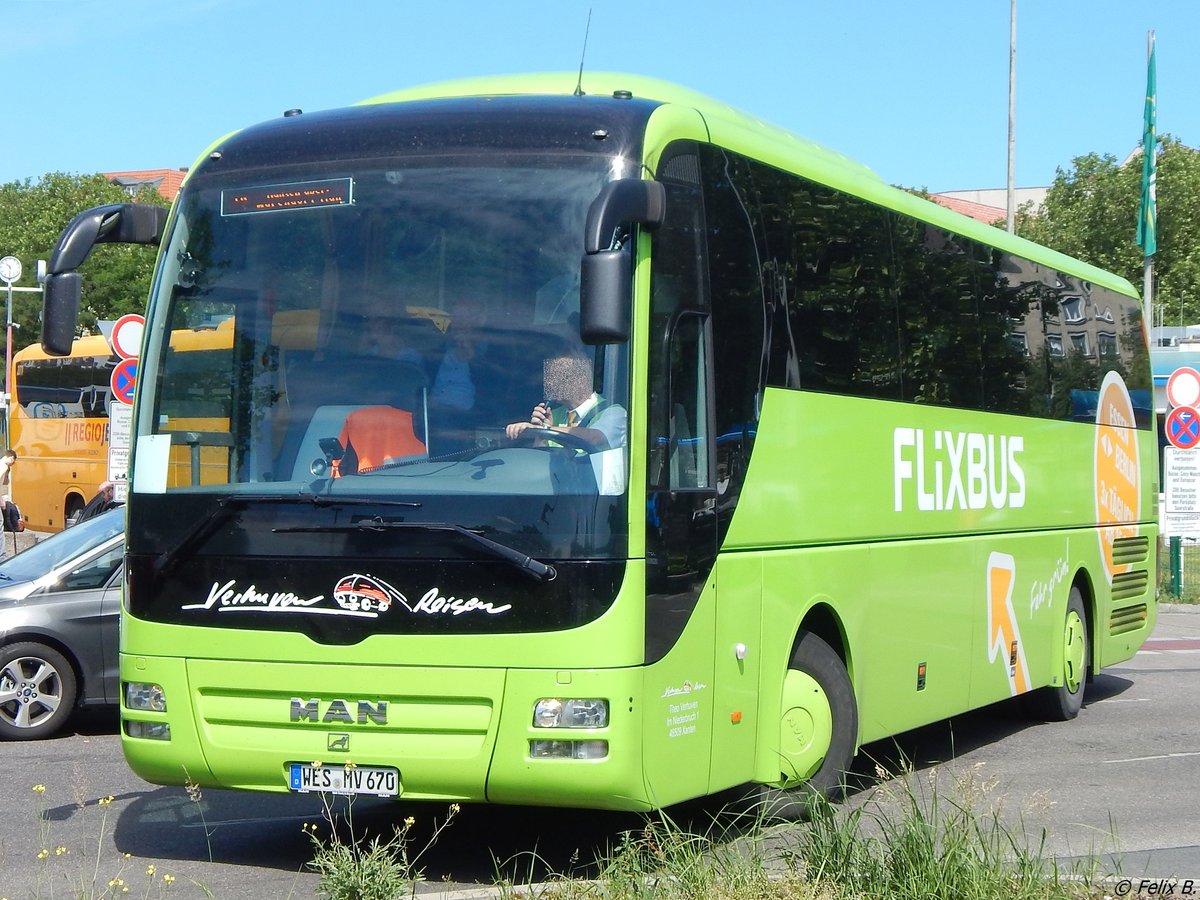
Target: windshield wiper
point(206, 525)
point(535, 569)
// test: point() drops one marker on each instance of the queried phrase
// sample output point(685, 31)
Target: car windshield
point(71, 543)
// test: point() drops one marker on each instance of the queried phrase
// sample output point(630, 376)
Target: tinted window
point(70, 387)
point(826, 292)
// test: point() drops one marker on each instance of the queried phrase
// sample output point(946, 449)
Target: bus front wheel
point(1063, 700)
point(818, 730)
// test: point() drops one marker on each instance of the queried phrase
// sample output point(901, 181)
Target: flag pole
point(1148, 261)
point(1010, 194)
point(1147, 232)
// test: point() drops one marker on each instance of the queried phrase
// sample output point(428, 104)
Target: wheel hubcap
point(1074, 651)
point(30, 692)
point(805, 728)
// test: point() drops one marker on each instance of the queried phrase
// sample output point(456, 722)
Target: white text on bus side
point(957, 470)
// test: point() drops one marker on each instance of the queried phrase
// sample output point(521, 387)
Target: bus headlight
point(568, 749)
point(552, 712)
point(153, 731)
point(145, 697)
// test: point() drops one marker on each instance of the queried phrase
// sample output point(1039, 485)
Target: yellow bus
point(59, 423)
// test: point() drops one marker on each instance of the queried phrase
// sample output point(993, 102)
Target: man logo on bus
point(367, 593)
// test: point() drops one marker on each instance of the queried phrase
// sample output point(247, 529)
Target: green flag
point(1147, 226)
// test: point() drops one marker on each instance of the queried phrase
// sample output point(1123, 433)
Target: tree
point(1091, 213)
point(116, 278)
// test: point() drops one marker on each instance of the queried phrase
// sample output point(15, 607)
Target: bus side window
point(688, 446)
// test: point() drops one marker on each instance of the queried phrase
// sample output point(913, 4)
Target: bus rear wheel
point(818, 730)
point(1062, 701)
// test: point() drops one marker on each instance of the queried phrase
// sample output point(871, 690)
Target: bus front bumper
point(453, 734)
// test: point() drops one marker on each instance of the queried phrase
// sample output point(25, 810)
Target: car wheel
point(37, 691)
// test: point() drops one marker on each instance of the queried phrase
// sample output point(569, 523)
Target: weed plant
point(84, 873)
point(913, 839)
point(351, 867)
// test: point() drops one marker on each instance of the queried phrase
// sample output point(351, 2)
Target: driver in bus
point(572, 406)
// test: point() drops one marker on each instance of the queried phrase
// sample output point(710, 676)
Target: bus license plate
point(377, 781)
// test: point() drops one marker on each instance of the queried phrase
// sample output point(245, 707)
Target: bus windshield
point(390, 321)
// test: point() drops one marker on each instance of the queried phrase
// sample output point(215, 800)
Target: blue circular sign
point(124, 380)
point(1183, 427)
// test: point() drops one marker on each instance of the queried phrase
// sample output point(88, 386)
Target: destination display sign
point(283, 197)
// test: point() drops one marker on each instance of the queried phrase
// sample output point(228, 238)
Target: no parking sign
point(124, 380)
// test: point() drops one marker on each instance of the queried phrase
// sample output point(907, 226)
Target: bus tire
point(1061, 702)
point(37, 691)
point(818, 733)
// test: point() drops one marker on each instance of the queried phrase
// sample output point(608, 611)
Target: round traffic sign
point(1183, 427)
point(1183, 387)
point(127, 335)
point(124, 380)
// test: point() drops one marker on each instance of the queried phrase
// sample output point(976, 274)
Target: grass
point(84, 873)
point(939, 835)
point(1189, 588)
point(912, 837)
point(354, 867)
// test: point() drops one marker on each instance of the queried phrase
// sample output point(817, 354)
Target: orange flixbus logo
point(1004, 635)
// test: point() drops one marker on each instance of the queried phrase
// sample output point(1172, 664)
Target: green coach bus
point(599, 445)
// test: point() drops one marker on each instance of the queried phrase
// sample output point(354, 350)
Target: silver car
point(59, 606)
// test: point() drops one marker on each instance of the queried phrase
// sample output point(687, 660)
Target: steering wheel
point(566, 438)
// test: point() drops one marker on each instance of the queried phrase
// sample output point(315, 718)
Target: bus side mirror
point(606, 270)
point(60, 312)
point(116, 223)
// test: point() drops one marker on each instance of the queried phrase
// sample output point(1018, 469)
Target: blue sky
point(917, 91)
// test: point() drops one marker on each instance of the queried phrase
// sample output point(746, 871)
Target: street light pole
point(10, 271)
point(1011, 219)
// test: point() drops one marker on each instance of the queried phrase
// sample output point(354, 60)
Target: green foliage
point(1091, 213)
point(116, 278)
point(355, 868)
point(925, 841)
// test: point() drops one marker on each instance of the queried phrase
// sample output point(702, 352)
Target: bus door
point(681, 546)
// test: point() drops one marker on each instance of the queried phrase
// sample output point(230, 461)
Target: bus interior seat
point(313, 386)
point(374, 437)
point(330, 421)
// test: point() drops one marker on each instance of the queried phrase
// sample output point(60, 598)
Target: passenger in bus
point(391, 336)
point(454, 381)
point(573, 406)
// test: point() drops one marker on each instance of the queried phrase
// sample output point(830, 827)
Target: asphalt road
point(1123, 780)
